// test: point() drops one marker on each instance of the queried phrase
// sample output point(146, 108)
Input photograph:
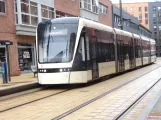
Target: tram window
point(81, 49)
point(105, 45)
point(87, 48)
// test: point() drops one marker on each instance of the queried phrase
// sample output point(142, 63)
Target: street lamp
point(121, 26)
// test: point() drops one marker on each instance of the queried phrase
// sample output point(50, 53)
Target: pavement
point(153, 110)
point(18, 83)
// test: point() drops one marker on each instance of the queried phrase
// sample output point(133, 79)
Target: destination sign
point(58, 32)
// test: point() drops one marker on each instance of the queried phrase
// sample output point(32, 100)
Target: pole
point(8, 64)
point(121, 25)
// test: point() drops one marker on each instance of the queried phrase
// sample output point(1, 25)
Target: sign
point(26, 54)
point(58, 32)
point(6, 43)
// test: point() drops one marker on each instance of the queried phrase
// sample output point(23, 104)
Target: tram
point(73, 50)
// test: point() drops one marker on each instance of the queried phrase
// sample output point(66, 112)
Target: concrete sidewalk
point(18, 83)
point(155, 113)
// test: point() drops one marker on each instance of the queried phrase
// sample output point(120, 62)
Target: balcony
point(88, 10)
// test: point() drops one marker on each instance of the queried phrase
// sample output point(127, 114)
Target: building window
point(29, 12)
point(132, 10)
point(115, 18)
point(146, 15)
point(125, 9)
point(146, 9)
point(140, 9)
point(155, 33)
point(155, 27)
point(140, 16)
point(47, 12)
point(25, 19)
point(146, 21)
point(88, 5)
point(154, 15)
point(24, 6)
point(160, 27)
point(154, 8)
point(16, 13)
point(2, 6)
point(159, 14)
point(103, 9)
point(159, 8)
point(159, 22)
point(154, 21)
point(33, 8)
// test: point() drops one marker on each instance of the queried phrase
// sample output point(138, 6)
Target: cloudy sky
point(132, 1)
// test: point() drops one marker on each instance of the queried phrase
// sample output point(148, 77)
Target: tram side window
point(137, 48)
point(106, 46)
point(87, 48)
point(79, 61)
point(81, 50)
point(145, 49)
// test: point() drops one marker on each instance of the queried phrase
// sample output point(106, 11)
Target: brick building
point(139, 10)
point(19, 19)
point(149, 14)
point(86, 9)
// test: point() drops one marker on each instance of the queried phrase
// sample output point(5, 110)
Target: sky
point(131, 1)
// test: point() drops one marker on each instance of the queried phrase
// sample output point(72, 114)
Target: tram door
point(131, 54)
point(120, 54)
point(93, 56)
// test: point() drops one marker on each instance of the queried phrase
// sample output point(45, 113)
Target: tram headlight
point(61, 70)
point(44, 71)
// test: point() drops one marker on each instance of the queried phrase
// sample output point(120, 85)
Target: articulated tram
point(74, 50)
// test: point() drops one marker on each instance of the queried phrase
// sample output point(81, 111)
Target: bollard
point(4, 73)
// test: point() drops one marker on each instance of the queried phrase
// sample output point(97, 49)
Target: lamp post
point(121, 26)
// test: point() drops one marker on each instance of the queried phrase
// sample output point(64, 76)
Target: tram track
point(66, 90)
point(65, 114)
point(135, 102)
point(32, 101)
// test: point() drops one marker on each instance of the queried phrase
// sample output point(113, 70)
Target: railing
point(88, 6)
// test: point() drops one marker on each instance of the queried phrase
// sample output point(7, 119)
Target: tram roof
point(95, 25)
point(121, 32)
point(145, 38)
point(70, 20)
point(136, 36)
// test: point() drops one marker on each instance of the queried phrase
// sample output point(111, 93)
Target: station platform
point(18, 83)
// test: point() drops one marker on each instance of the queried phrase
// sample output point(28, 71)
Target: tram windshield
point(56, 42)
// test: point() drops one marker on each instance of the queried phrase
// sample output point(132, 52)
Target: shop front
point(26, 56)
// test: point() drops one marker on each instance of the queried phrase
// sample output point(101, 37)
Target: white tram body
point(74, 50)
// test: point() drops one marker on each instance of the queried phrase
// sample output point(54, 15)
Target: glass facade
point(30, 12)
point(47, 12)
point(26, 55)
point(27, 16)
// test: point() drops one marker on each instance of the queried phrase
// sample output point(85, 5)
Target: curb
point(148, 109)
point(18, 89)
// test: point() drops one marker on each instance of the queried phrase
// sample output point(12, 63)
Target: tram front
point(55, 48)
